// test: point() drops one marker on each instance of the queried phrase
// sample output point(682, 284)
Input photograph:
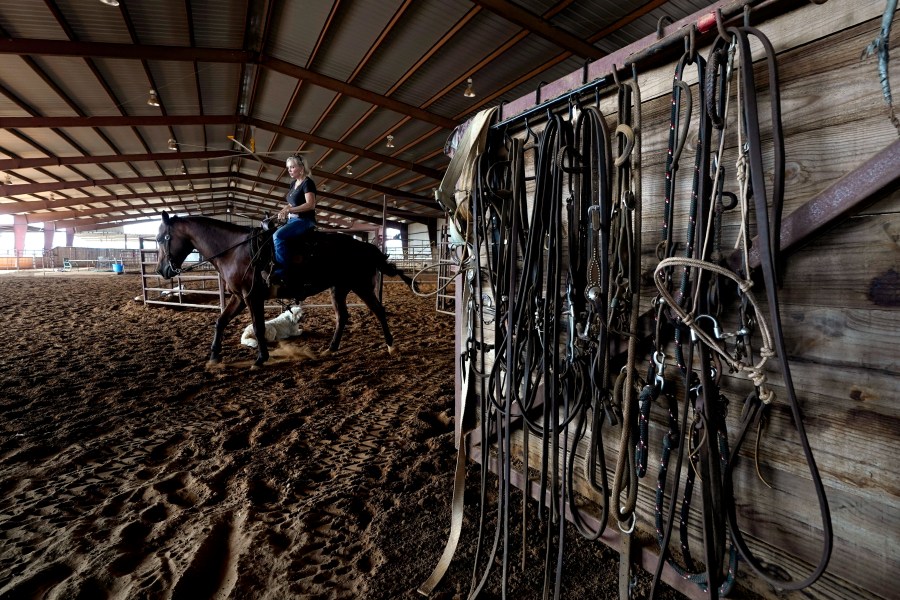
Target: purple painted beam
point(848, 195)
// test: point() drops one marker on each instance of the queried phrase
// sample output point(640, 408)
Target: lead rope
point(706, 436)
point(624, 297)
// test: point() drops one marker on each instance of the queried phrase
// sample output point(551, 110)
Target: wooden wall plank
point(770, 522)
point(855, 265)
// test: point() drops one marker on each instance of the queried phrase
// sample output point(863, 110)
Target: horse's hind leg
point(341, 315)
point(258, 314)
point(234, 305)
point(368, 296)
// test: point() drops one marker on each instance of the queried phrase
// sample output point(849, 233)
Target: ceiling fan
point(247, 150)
point(251, 150)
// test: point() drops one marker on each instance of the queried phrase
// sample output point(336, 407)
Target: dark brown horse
point(332, 260)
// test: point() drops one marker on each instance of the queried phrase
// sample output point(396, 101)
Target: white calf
point(285, 325)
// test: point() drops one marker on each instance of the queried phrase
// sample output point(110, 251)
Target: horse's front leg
point(258, 314)
point(234, 306)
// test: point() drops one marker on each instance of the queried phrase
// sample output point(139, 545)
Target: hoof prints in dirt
point(212, 571)
point(130, 470)
point(359, 453)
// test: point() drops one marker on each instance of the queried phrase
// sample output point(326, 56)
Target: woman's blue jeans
point(283, 238)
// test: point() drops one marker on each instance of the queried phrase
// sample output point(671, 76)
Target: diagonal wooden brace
point(880, 174)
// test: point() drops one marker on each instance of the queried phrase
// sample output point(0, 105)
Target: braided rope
point(755, 373)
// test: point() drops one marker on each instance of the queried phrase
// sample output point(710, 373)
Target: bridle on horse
point(164, 241)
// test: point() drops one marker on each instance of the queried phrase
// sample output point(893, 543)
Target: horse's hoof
point(390, 349)
point(214, 360)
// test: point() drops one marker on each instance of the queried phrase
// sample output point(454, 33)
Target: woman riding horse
point(342, 264)
point(300, 214)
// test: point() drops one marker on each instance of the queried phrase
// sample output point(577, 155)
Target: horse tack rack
point(838, 305)
point(200, 283)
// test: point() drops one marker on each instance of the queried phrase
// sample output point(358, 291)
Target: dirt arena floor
point(131, 469)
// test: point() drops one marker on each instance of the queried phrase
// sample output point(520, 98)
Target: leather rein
point(165, 241)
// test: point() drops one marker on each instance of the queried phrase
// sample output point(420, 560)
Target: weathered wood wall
point(840, 308)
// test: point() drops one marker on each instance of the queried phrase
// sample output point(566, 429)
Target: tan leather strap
point(457, 504)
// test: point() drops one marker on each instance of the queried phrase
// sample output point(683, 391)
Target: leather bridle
point(164, 241)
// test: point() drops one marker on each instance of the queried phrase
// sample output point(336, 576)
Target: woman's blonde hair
point(300, 160)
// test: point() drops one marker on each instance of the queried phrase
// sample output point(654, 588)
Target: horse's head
point(173, 247)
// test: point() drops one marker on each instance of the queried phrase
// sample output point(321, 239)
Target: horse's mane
point(213, 223)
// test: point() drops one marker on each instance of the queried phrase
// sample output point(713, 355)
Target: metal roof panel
point(346, 44)
point(94, 21)
point(161, 22)
point(292, 35)
point(219, 24)
point(29, 20)
point(28, 88)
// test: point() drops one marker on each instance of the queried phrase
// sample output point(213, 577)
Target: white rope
point(755, 372)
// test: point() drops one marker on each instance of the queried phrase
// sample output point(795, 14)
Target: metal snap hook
point(659, 364)
point(717, 331)
point(629, 528)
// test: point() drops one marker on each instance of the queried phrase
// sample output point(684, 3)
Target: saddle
point(302, 251)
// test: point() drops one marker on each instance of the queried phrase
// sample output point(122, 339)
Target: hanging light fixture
point(153, 100)
point(470, 91)
point(349, 169)
point(173, 145)
point(8, 179)
point(324, 188)
point(110, 2)
point(390, 141)
point(183, 170)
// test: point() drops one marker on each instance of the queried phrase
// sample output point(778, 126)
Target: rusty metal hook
point(660, 28)
point(690, 44)
point(537, 92)
point(720, 24)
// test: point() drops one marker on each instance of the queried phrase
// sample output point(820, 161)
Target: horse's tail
point(389, 269)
